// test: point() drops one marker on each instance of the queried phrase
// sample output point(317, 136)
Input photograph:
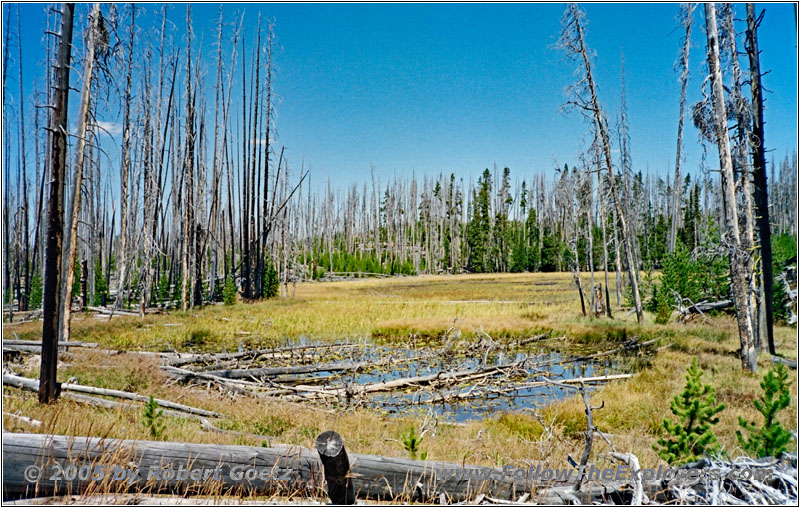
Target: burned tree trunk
point(760, 168)
point(55, 228)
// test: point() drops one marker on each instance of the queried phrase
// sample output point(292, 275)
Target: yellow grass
point(505, 305)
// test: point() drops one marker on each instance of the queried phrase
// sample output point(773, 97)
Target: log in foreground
point(236, 470)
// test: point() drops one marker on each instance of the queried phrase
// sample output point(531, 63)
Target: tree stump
point(336, 465)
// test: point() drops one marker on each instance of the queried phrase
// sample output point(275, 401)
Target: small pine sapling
point(229, 291)
point(769, 439)
point(695, 407)
point(411, 444)
point(153, 418)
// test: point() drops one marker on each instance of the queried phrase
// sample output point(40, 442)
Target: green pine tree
point(769, 439)
point(229, 291)
point(271, 282)
point(37, 291)
point(692, 436)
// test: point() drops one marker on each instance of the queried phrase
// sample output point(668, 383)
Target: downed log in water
point(272, 471)
point(443, 377)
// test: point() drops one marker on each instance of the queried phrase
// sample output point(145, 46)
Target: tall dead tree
point(732, 238)
point(572, 40)
point(683, 61)
point(95, 36)
point(23, 297)
point(188, 172)
point(124, 169)
point(48, 391)
point(760, 168)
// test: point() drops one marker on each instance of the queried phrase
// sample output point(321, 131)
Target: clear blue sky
point(457, 88)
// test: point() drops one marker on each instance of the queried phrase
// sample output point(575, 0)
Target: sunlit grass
point(503, 306)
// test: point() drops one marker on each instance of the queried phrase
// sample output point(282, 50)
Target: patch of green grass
point(520, 425)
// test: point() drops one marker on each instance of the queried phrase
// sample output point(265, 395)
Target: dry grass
point(505, 305)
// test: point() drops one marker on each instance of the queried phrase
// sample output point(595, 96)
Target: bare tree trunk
point(760, 170)
point(23, 301)
point(737, 257)
point(71, 246)
point(686, 10)
point(48, 391)
point(125, 170)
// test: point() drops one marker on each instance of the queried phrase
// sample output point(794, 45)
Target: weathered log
point(186, 359)
point(303, 369)
point(792, 364)
point(336, 465)
point(113, 312)
point(38, 343)
point(33, 385)
point(23, 419)
point(446, 377)
point(289, 469)
point(701, 307)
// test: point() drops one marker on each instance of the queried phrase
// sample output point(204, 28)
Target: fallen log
point(792, 364)
point(302, 369)
point(386, 386)
point(286, 470)
point(701, 307)
point(38, 343)
point(186, 359)
point(23, 419)
point(33, 385)
point(113, 312)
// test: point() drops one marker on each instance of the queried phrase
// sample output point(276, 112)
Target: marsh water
point(471, 399)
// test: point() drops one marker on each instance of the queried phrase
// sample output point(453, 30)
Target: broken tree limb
point(33, 385)
point(298, 470)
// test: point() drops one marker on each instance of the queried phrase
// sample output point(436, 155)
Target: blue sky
point(457, 88)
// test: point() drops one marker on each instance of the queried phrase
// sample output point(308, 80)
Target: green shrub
point(769, 439)
point(692, 436)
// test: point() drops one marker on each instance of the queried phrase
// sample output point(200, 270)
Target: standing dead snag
point(686, 14)
point(736, 255)
point(55, 228)
point(330, 447)
point(572, 41)
point(760, 169)
point(96, 36)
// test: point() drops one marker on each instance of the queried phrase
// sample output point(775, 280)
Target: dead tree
point(124, 170)
point(683, 61)
point(96, 37)
point(572, 40)
point(48, 391)
point(732, 237)
point(760, 167)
